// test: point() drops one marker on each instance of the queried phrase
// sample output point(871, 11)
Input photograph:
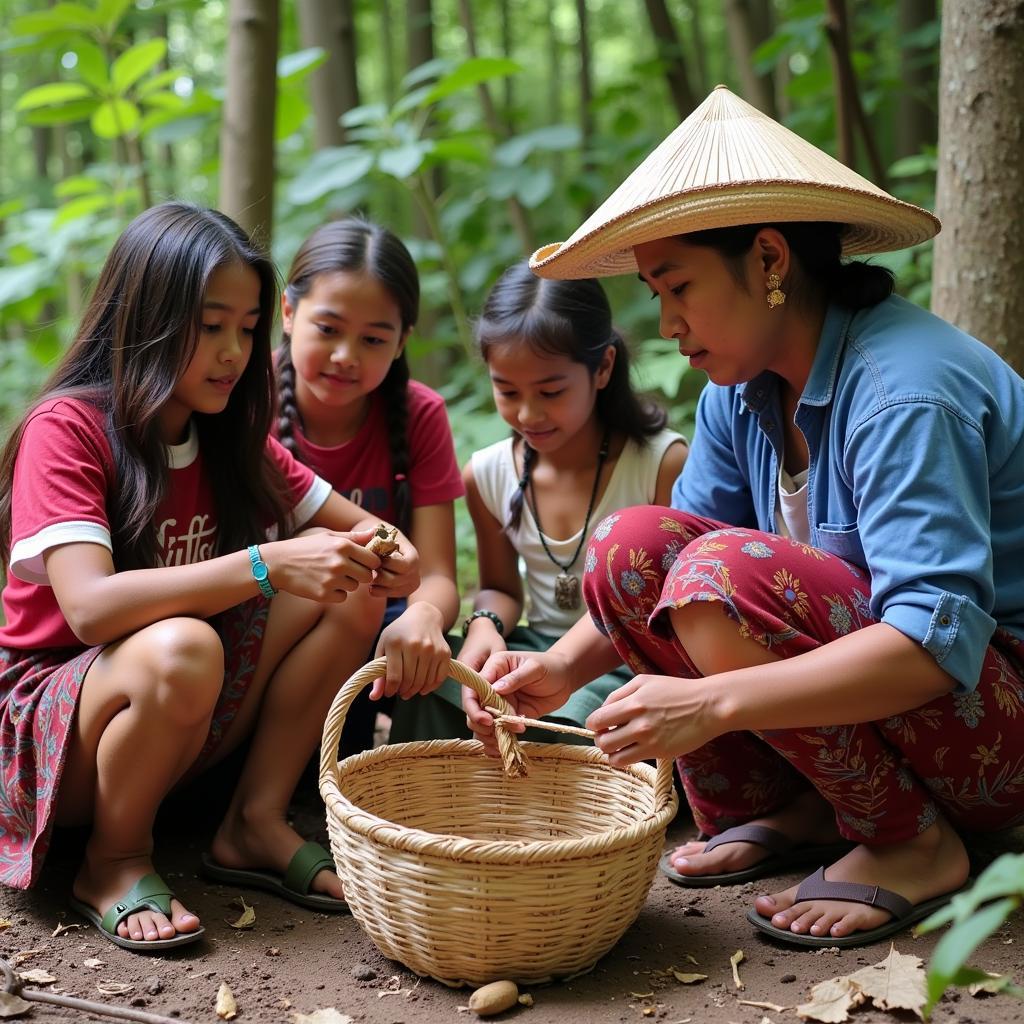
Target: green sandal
point(150, 892)
point(307, 861)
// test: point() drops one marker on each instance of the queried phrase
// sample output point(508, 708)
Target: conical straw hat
point(729, 164)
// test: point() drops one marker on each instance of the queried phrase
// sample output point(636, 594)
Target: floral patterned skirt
point(963, 752)
point(39, 693)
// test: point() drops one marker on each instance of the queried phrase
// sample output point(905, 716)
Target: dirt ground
point(296, 961)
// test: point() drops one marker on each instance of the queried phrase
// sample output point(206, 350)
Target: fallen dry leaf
point(248, 918)
point(4, 924)
point(62, 928)
point(25, 954)
point(226, 1007)
point(12, 1005)
point(692, 961)
point(764, 1006)
point(641, 995)
point(688, 979)
point(93, 963)
point(831, 1001)
point(37, 976)
point(114, 988)
point(992, 984)
point(328, 1015)
point(895, 983)
point(735, 960)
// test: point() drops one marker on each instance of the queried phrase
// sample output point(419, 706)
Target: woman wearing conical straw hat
point(827, 630)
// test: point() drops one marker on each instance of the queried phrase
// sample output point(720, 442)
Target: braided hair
point(572, 319)
point(355, 245)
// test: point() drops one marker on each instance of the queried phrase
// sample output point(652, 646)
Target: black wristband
point(487, 614)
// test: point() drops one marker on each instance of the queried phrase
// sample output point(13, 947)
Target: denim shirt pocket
point(840, 540)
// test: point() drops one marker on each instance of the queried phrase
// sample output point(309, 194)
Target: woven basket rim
point(489, 851)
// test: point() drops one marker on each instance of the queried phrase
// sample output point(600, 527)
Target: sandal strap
point(306, 863)
point(818, 887)
point(770, 838)
point(150, 892)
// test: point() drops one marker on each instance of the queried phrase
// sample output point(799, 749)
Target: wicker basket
point(468, 875)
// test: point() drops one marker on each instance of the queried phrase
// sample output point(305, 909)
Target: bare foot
point(101, 883)
point(808, 819)
point(933, 863)
point(266, 842)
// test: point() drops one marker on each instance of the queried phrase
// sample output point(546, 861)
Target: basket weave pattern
point(469, 876)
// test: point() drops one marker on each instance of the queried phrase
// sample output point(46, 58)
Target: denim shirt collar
point(758, 392)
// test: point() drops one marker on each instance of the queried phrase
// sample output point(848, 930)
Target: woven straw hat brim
point(729, 164)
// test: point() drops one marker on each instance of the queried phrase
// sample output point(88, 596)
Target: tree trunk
point(386, 35)
point(509, 81)
point(554, 69)
point(979, 262)
point(419, 32)
point(333, 86)
point(516, 212)
point(700, 54)
point(586, 81)
point(916, 121)
point(247, 131)
point(742, 25)
point(666, 39)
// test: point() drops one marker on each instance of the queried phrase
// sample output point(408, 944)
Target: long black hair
point(137, 337)
point(817, 246)
point(354, 245)
point(572, 319)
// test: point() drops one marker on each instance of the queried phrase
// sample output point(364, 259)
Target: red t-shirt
point(63, 476)
point(360, 469)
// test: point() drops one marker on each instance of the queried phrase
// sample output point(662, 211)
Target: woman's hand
point(322, 565)
point(399, 573)
point(655, 716)
point(534, 683)
point(417, 652)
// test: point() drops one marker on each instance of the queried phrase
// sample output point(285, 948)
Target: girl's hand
point(482, 641)
point(654, 716)
point(322, 565)
point(534, 683)
point(399, 573)
point(417, 652)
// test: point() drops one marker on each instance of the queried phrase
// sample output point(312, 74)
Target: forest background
point(477, 131)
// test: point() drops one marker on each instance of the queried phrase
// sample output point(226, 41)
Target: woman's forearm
point(586, 651)
point(864, 676)
point(438, 590)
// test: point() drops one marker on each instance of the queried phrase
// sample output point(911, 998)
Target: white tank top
point(633, 482)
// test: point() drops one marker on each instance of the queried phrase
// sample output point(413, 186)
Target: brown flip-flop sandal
point(818, 887)
point(783, 856)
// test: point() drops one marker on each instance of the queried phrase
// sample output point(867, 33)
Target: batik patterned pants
point(962, 753)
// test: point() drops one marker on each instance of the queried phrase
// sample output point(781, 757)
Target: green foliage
point(976, 915)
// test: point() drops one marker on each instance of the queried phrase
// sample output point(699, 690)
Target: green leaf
point(428, 71)
point(368, 113)
point(11, 207)
point(157, 82)
point(910, 166)
point(17, 283)
point(1003, 877)
point(293, 67)
point(114, 118)
point(136, 62)
point(471, 73)
point(290, 113)
point(959, 943)
point(411, 101)
point(165, 126)
point(403, 161)
point(77, 110)
point(81, 207)
point(552, 138)
point(59, 18)
point(79, 185)
point(52, 94)
point(110, 12)
point(92, 65)
point(458, 149)
point(535, 186)
point(329, 170)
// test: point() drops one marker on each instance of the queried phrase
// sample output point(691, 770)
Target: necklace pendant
point(567, 591)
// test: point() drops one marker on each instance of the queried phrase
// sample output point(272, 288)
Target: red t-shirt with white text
point(63, 476)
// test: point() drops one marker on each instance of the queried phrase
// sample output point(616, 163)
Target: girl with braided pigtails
point(348, 408)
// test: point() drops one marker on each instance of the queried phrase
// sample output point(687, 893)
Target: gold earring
point(776, 296)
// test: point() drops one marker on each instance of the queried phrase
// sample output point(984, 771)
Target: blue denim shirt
point(916, 439)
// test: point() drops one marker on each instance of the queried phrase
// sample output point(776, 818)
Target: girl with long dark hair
point(159, 606)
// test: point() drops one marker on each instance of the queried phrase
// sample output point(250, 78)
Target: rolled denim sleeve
point(712, 483)
point(920, 479)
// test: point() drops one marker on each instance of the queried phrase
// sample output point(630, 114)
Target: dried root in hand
point(384, 541)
